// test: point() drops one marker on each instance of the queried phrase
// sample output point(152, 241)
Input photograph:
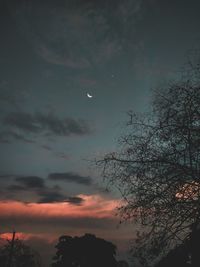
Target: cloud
point(81, 35)
point(63, 127)
point(54, 57)
point(40, 190)
point(16, 188)
point(7, 176)
point(38, 187)
point(31, 182)
point(60, 155)
point(22, 120)
point(38, 123)
point(95, 212)
point(93, 206)
point(75, 200)
point(27, 183)
point(7, 137)
point(55, 196)
point(71, 177)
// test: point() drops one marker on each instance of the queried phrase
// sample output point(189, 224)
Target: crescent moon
point(89, 96)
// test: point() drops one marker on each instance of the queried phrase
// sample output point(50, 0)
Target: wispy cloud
point(26, 127)
point(57, 154)
point(56, 58)
point(23, 121)
point(46, 124)
point(10, 135)
point(79, 35)
point(71, 177)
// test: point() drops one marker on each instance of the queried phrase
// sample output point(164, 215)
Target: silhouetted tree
point(193, 247)
point(177, 257)
point(23, 255)
point(157, 167)
point(184, 255)
point(122, 263)
point(84, 251)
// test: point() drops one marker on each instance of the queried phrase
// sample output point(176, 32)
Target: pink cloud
point(94, 206)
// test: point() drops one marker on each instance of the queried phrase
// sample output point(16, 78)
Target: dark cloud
point(38, 187)
point(62, 127)
point(38, 123)
point(31, 182)
point(16, 188)
point(51, 197)
point(23, 121)
point(26, 183)
point(7, 176)
point(71, 177)
point(55, 196)
point(75, 200)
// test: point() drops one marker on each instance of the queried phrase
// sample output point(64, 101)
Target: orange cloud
point(94, 206)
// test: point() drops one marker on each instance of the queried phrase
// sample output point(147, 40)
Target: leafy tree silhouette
point(23, 255)
point(84, 251)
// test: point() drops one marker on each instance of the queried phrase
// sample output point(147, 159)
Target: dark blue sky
point(51, 54)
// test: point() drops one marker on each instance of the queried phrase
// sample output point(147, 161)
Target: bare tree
point(157, 168)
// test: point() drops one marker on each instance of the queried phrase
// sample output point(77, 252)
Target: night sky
point(52, 53)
